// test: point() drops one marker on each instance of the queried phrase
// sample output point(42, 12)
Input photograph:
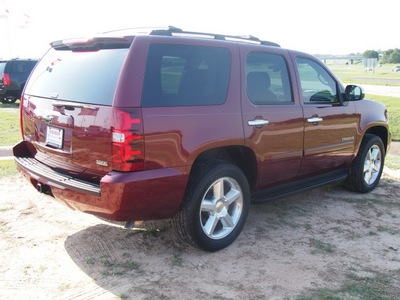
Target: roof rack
point(175, 31)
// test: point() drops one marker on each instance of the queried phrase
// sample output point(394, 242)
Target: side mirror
point(354, 92)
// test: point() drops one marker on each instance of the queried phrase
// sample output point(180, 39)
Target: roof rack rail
point(175, 31)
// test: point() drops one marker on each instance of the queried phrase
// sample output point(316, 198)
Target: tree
point(394, 57)
point(371, 54)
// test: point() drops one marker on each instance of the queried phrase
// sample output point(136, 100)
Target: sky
point(313, 26)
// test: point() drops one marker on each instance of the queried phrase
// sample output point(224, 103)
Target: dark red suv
point(190, 126)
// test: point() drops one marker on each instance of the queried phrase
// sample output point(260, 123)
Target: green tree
point(394, 57)
point(371, 54)
point(391, 56)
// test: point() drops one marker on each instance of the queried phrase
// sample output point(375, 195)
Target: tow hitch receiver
point(43, 188)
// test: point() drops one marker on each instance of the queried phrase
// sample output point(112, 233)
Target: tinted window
point(316, 83)
point(181, 75)
point(267, 79)
point(2, 65)
point(87, 77)
point(19, 66)
point(19, 70)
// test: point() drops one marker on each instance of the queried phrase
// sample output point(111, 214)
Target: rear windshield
point(2, 65)
point(85, 77)
point(20, 66)
point(182, 75)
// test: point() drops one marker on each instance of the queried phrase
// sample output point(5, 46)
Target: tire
point(367, 167)
point(215, 206)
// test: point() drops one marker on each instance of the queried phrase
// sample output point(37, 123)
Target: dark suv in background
point(13, 75)
point(191, 126)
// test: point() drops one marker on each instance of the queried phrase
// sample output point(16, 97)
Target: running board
point(298, 186)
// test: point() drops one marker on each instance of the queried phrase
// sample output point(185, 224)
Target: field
point(327, 243)
point(381, 75)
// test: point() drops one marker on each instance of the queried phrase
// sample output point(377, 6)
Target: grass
point(8, 168)
point(393, 107)
point(392, 161)
point(13, 105)
point(320, 245)
point(374, 286)
point(357, 74)
point(115, 268)
point(9, 127)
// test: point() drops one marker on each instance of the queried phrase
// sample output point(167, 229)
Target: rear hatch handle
point(71, 106)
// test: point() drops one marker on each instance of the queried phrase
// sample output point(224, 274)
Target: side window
point(316, 84)
point(267, 79)
point(182, 75)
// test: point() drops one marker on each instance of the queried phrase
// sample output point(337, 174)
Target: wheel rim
point(221, 208)
point(372, 165)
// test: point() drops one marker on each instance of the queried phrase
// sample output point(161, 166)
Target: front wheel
point(367, 167)
point(215, 206)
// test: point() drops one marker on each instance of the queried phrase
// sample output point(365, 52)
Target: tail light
point(21, 115)
point(127, 140)
point(6, 79)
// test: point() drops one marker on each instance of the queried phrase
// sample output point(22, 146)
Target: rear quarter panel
point(175, 136)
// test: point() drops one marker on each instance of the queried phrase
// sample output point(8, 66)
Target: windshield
point(86, 77)
point(2, 65)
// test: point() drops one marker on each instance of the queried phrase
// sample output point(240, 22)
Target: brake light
point(6, 79)
point(127, 140)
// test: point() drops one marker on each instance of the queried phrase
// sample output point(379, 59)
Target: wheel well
point(381, 132)
point(241, 156)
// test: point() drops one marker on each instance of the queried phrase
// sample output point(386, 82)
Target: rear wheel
point(367, 167)
point(215, 206)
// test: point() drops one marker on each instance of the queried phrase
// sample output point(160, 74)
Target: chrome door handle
point(314, 120)
point(258, 122)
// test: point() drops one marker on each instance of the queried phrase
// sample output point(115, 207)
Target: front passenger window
point(317, 86)
point(267, 79)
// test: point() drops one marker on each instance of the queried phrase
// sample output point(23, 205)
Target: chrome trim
point(258, 122)
point(48, 118)
point(66, 104)
point(314, 120)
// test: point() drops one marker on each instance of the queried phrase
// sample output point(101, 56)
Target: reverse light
point(127, 140)
point(6, 79)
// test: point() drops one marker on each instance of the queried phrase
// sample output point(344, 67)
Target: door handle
point(314, 120)
point(258, 122)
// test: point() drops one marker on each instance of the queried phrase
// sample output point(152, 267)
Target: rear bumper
point(9, 90)
point(119, 196)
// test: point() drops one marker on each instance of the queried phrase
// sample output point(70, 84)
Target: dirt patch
point(394, 148)
point(314, 240)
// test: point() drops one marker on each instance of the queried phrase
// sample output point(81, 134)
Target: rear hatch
point(67, 106)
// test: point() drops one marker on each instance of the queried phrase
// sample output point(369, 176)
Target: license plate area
point(55, 137)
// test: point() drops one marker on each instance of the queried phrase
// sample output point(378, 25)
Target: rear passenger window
point(182, 75)
point(267, 79)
